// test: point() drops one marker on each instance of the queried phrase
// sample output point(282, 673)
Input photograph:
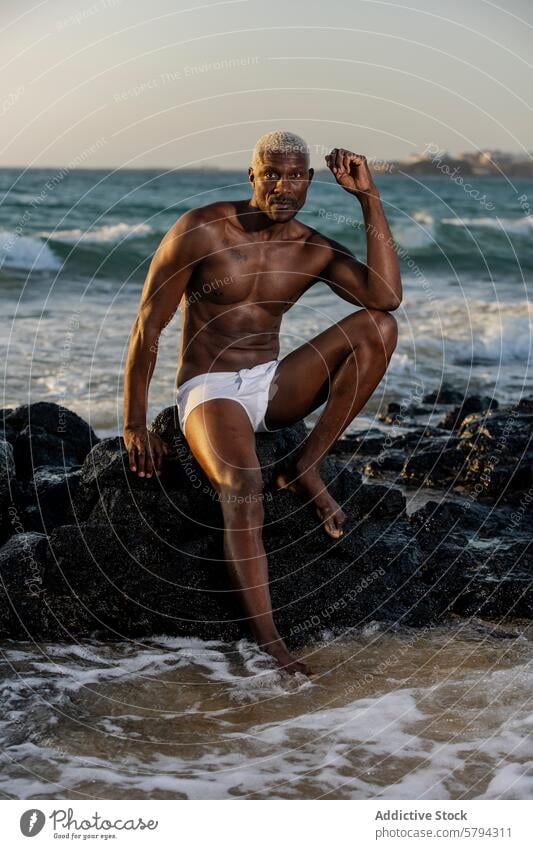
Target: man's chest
point(240, 271)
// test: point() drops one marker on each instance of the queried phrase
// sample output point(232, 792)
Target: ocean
point(439, 714)
point(75, 247)
point(430, 713)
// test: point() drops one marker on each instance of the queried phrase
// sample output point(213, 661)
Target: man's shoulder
point(211, 213)
point(319, 241)
point(329, 246)
point(197, 228)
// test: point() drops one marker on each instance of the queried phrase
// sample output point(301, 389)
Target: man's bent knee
point(382, 329)
point(243, 512)
point(241, 490)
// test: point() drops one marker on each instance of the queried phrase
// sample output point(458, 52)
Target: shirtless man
point(237, 267)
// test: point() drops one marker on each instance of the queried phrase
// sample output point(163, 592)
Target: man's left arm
point(376, 285)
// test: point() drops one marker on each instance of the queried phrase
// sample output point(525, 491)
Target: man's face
point(280, 182)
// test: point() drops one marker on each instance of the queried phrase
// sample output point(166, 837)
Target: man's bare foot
point(307, 483)
point(279, 651)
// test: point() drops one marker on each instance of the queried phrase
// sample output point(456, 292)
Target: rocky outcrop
point(45, 434)
point(91, 548)
point(488, 455)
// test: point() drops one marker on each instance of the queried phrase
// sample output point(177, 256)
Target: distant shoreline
point(394, 169)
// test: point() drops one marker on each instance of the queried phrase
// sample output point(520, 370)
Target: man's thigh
point(302, 379)
point(222, 439)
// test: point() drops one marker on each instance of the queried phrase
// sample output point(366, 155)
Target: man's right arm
point(168, 275)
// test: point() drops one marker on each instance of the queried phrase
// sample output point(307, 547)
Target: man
point(237, 267)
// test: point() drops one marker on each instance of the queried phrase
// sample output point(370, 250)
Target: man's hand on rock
point(146, 451)
point(351, 171)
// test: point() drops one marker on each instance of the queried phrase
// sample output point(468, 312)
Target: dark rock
point(440, 519)
point(146, 556)
point(471, 404)
point(182, 498)
point(35, 447)
point(7, 472)
point(7, 485)
point(500, 446)
point(498, 581)
point(48, 435)
point(380, 502)
point(365, 444)
point(424, 437)
point(388, 461)
point(390, 451)
point(126, 557)
point(445, 394)
point(446, 522)
point(22, 597)
point(124, 581)
point(7, 431)
point(487, 564)
point(110, 494)
point(401, 414)
point(490, 455)
point(433, 467)
point(508, 430)
point(46, 501)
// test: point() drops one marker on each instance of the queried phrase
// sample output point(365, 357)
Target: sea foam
point(26, 252)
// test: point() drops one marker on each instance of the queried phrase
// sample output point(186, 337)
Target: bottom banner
point(310, 823)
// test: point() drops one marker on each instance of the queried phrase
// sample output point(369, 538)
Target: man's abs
point(236, 298)
point(226, 342)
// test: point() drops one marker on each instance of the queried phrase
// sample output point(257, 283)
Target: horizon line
point(163, 169)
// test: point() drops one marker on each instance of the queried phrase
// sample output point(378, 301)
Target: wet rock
point(7, 431)
point(125, 580)
point(424, 437)
point(125, 556)
point(48, 435)
point(380, 502)
point(145, 556)
point(123, 583)
point(22, 598)
point(498, 580)
point(474, 556)
point(438, 519)
point(388, 462)
point(500, 450)
point(508, 430)
point(7, 482)
point(364, 444)
point(7, 471)
point(398, 414)
point(447, 522)
point(46, 501)
point(471, 404)
point(434, 467)
point(391, 451)
point(490, 455)
point(445, 394)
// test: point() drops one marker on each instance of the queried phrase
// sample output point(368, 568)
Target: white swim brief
point(250, 387)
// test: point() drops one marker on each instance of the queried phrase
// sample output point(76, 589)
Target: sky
point(179, 83)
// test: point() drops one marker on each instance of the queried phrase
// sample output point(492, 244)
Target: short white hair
point(280, 141)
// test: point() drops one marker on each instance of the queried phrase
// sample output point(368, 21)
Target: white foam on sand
point(195, 719)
